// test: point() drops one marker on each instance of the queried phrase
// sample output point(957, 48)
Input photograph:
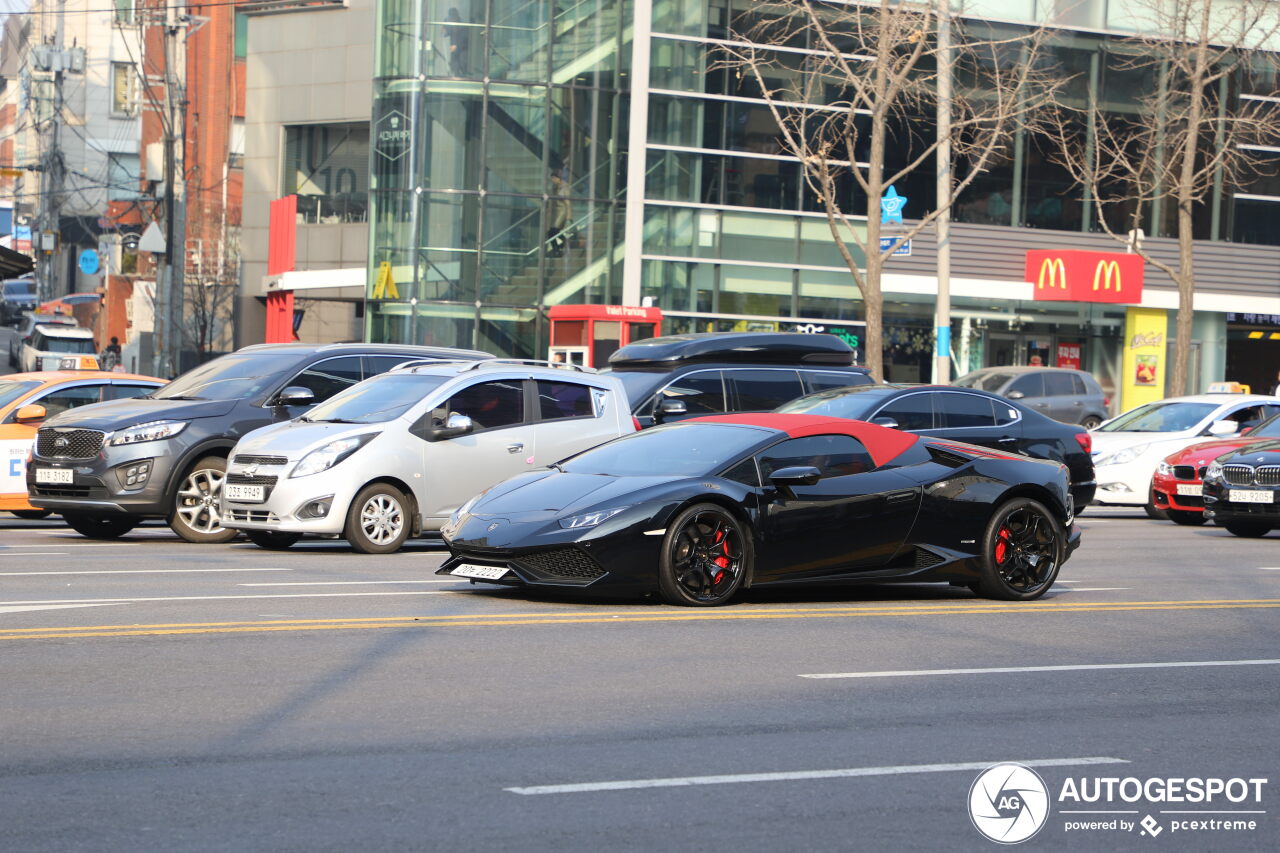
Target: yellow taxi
point(28, 399)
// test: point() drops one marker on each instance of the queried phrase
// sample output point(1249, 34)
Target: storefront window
point(326, 166)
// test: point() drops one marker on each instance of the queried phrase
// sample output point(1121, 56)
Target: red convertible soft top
point(882, 443)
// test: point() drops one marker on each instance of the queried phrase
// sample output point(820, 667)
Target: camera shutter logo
point(1008, 803)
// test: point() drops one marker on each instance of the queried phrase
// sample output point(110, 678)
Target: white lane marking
point(136, 572)
point(344, 583)
point(233, 597)
point(796, 775)
point(1065, 668)
point(51, 607)
point(1269, 569)
point(1097, 588)
point(34, 553)
point(72, 543)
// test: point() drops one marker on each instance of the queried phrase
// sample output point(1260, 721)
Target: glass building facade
point(523, 167)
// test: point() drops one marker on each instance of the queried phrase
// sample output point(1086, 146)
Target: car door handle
point(1078, 403)
point(1008, 439)
point(895, 497)
point(515, 448)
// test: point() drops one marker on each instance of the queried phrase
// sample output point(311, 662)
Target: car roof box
point(742, 347)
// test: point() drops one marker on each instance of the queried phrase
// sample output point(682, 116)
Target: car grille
point(52, 442)
point(1268, 475)
point(1184, 472)
point(1237, 509)
point(250, 459)
point(261, 516)
point(1189, 500)
point(48, 491)
point(562, 563)
point(1238, 475)
point(925, 559)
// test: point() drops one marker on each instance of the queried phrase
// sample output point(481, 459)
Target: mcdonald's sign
point(1071, 275)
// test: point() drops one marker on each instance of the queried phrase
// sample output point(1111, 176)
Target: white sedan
point(1128, 448)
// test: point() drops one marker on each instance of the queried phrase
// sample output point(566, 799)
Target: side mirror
point(295, 395)
point(455, 426)
point(673, 407)
point(32, 412)
point(796, 475)
point(887, 423)
point(1015, 395)
point(1223, 428)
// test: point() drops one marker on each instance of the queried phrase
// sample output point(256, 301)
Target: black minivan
point(107, 466)
point(687, 376)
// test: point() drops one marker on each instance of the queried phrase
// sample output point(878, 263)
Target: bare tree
point(1190, 132)
point(871, 70)
point(212, 276)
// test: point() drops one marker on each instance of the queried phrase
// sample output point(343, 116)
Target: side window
point(702, 392)
point(833, 455)
point(821, 380)
point(914, 411)
point(1077, 385)
point(328, 377)
point(558, 400)
point(1059, 384)
point(490, 405)
point(744, 472)
point(963, 410)
point(61, 399)
point(1249, 416)
point(764, 390)
point(1005, 414)
point(125, 392)
point(375, 364)
point(1029, 385)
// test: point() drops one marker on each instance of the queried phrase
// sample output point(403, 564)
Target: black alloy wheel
point(1022, 552)
point(705, 557)
point(100, 526)
point(272, 540)
point(1185, 517)
point(1247, 529)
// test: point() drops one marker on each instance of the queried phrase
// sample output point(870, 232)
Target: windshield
point(374, 401)
point(10, 391)
point(983, 381)
point(230, 377)
point(75, 345)
point(1166, 416)
point(686, 449)
point(837, 402)
point(1270, 428)
point(637, 382)
point(19, 288)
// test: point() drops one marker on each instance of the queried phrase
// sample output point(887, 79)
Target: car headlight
point(151, 431)
point(590, 519)
point(1214, 471)
point(1122, 457)
point(1164, 468)
point(324, 458)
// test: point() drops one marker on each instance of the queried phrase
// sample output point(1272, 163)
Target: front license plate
point(1190, 489)
point(244, 494)
point(471, 570)
point(55, 475)
point(1251, 496)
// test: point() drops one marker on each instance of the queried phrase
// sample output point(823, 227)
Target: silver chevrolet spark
point(396, 454)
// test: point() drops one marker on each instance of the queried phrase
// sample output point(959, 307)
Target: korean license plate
point(1251, 496)
point(244, 494)
point(55, 475)
point(471, 570)
point(1190, 489)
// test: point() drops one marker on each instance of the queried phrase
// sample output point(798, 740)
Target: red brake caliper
point(722, 561)
point(1002, 544)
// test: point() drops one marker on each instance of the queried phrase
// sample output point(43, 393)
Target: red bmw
point(1176, 486)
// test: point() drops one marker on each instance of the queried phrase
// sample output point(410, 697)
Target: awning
point(14, 264)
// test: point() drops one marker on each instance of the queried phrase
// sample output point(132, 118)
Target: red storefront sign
point(1068, 356)
point(1077, 276)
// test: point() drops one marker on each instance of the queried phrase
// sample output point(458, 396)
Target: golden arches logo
point(1105, 272)
point(1055, 270)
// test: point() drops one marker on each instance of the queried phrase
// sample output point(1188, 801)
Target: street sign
point(891, 205)
point(89, 262)
point(903, 251)
point(12, 173)
point(152, 239)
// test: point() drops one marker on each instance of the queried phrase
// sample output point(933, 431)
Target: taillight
point(1106, 401)
point(1085, 440)
point(636, 421)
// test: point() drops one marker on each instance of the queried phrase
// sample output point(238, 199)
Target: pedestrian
point(459, 41)
point(1275, 392)
point(109, 358)
point(559, 210)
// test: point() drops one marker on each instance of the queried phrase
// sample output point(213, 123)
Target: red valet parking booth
point(588, 334)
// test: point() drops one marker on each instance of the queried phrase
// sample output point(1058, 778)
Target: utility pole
point(52, 167)
point(942, 315)
point(169, 284)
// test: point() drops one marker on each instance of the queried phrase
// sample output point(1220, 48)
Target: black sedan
point(698, 510)
point(963, 414)
point(1242, 489)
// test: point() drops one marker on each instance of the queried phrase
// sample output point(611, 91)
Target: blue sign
point(891, 207)
point(903, 251)
point(89, 263)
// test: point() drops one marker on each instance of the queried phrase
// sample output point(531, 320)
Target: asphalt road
point(164, 696)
